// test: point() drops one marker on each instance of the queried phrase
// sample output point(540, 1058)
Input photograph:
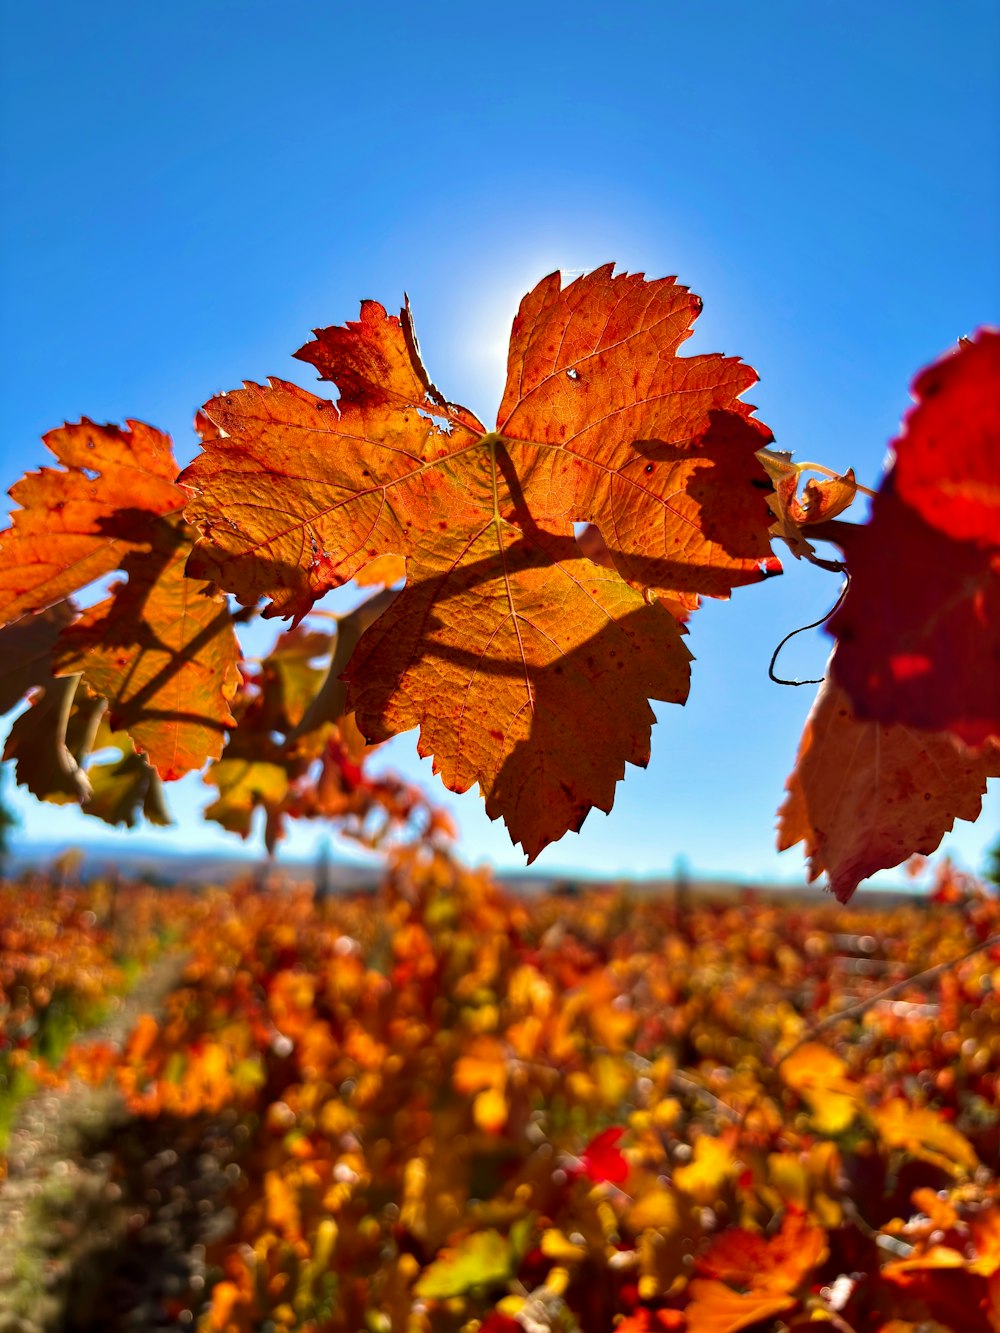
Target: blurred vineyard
point(440, 1107)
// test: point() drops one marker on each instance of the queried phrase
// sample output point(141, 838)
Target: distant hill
point(153, 863)
point(202, 868)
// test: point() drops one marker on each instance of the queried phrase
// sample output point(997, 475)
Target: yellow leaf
point(922, 1133)
point(657, 1208)
point(820, 1079)
point(711, 1167)
point(556, 1246)
point(489, 1110)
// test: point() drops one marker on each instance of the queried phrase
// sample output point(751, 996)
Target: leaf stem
point(835, 476)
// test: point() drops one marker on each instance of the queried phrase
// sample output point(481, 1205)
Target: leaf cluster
point(470, 1111)
point(526, 655)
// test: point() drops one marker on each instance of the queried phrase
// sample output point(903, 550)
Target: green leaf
point(483, 1259)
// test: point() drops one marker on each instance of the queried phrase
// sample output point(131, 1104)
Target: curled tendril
point(780, 680)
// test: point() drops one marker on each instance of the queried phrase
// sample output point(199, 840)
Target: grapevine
point(525, 656)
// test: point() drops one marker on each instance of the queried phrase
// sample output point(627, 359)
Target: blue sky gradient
point(190, 188)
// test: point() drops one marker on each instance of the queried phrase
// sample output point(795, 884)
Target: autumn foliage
point(453, 1111)
point(524, 657)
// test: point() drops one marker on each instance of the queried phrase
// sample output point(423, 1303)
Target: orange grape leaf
point(716, 1308)
point(76, 522)
point(864, 796)
point(595, 548)
point(505, 636)
point(919, 630)
point(161, 649)
point(948, 454)
point(767, 1272)
point(383, 572)
point(542, 707)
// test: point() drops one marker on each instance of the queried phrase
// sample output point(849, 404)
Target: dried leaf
point(821, 500)
point(864, 796)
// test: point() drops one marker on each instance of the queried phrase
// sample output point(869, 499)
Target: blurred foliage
point(462, 1111)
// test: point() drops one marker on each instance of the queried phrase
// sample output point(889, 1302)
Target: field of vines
point(440, 1106)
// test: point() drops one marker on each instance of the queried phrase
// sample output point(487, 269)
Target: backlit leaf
point(864, 796)
point(162, 651)
point(123, 789)
point(948, 454)
point(76, 522)
point(505, 635)
point(919, 630)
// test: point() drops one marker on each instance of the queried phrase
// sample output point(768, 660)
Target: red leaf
point(948, 456)
point(603, 1160)
point(919, 630)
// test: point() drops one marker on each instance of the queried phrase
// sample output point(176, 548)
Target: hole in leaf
point(572, 374)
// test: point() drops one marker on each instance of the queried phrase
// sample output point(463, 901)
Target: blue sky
point(190, 188)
